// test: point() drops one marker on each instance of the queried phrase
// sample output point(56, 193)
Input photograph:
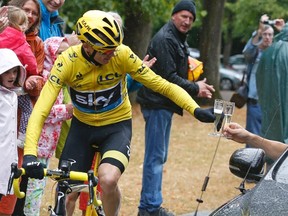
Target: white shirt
point(8, 135)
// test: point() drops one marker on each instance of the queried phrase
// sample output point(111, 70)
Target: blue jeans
point(157, 135)
point(253, 119)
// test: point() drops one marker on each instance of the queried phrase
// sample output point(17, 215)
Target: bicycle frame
point(62, 176)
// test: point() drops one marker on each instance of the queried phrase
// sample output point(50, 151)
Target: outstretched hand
point(149, 63)
point(205, 90)
point(235, 132)
point(73, 39)
point(279, 24)
point(207, 115)
point(33, 82)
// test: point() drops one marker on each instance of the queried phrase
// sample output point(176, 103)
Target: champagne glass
point(228, 112)
point(218, 109)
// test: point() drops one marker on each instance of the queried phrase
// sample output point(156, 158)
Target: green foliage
point(158, 11)
point(72, 10)
point(241, 17)
point(246, 15)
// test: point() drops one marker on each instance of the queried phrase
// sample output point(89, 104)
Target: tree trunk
point(137, 33)
point(210, 42)
point(227, 50)
point(227, 36)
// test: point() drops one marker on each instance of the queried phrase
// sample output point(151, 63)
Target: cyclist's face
point(53, 5)
point(183, 21)
point(105, 56)
point(102, 57)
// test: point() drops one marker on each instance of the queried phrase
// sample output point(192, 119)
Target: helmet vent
point(107, 21)
point(78, 27)
point(103, 36)
point(117, 26)
point(92, 40)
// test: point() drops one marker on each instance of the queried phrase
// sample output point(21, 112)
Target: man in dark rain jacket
point(272, 82)
point(170, 48)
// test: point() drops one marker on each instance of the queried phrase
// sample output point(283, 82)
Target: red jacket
point(15, 40)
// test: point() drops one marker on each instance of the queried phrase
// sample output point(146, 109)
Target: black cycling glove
point(207, 115)
point(33, 168)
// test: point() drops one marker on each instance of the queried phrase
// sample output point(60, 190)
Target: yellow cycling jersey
point(98, 92)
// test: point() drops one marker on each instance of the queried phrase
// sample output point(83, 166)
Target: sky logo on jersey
point(97, 101)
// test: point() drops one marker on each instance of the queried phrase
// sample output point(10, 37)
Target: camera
point(269, 22)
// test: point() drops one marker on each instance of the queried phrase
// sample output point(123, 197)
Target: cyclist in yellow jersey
point(95, 72)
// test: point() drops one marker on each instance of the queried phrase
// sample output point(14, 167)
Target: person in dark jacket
point(170, 47)
point(272, 81)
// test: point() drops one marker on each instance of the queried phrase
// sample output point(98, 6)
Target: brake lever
point(92, 182)
point(15, 173)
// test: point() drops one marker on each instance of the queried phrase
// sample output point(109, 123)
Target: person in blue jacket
point(51, 23)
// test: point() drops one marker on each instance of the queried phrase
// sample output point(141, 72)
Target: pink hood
point(15, 40)
point(51, 46)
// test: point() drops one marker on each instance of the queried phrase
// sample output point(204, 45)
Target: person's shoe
point(160, 212)
point(164, 212)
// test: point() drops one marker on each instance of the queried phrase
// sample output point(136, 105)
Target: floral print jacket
point(52, 126)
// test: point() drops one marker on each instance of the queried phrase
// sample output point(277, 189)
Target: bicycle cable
point(206, 180)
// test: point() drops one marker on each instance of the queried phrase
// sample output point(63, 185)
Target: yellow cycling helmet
point(100, 30)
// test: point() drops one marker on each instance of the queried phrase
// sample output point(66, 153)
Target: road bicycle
point(62, 175)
